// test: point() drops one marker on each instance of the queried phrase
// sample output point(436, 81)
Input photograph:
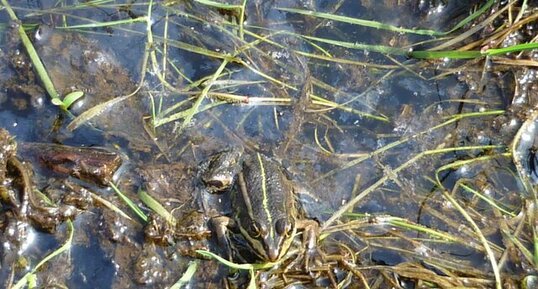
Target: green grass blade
point(242, 18)
point(30, 275)
point(511, 49)
point(227, 263)
point(107, 24)
point(70, 98)
point(233, 265)
point(471, 17)
point(196, 106)
point(467, 217)
point(218, 4)
point(452, 54)
point(388, 27)
point(488, 200)
point(129, 203)
point(32, 53)
point(361, 22)
point(252, 282)
point(156, 206)
point(360, 46)
point(187, 276)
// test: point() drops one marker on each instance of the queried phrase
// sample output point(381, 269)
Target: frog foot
point(314, 259)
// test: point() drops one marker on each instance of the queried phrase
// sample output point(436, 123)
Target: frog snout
point(272, 253)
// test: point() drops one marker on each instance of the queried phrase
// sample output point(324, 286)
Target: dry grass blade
point(406, 139)
point(95, 111)
point(476, 228)
point(349, 205)
point(102, 107)
point(110, 206)
point(471, 31)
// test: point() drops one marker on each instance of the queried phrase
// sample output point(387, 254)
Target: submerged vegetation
point(417, 146)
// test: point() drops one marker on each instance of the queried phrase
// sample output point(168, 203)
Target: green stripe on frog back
point(265, 199)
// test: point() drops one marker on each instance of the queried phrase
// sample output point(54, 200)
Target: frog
point(265, 214)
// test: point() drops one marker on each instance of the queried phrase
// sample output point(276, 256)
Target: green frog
point(264, 215)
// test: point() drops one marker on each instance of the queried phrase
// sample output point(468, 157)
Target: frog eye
point(283, 226)
point(219, 182)
point(255, 229)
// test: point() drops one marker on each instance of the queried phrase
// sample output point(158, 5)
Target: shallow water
point(344, 122)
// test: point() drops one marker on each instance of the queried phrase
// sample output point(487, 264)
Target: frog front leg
point(308, 205)
point(221, 225)
point(310, 234)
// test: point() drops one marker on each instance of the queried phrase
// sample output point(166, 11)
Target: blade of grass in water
point(468, 218)
point(360, 46)
point(196, 106)
point(235, 265)
point(404, 223)
point(31, 275)
point(110, 206)
point(361, 22)
point(32, 53)
point(511, 49)
point(129, 203)
point(473, 54)
point(95, 111)
point(487, 199)
point(106, 24)
point(227, 263)
point(388, 27)
point(250, 267)
point(187, 276)
point(425, 54)
point(242, 20)
point(218, 4)
point(156, 207)
point(445, 54)
point(350, 204)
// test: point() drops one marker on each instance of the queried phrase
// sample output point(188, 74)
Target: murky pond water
point(403, 172)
